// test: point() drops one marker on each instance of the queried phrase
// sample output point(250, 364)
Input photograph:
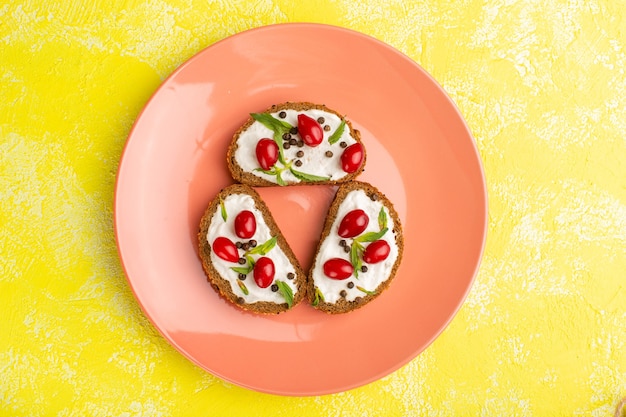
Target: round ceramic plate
point(420, 154)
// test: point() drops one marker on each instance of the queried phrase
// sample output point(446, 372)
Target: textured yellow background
point(540, 83)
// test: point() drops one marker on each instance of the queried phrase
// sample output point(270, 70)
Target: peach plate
point(420, 154)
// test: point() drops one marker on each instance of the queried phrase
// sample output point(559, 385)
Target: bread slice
point(297, 163)
point(234, 278)
point(356, 282)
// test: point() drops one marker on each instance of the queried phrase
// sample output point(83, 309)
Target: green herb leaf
point(264, 248)
point(271, 122)
point(268, 172)
point(250, 260)
point(243, 269)
point(278, 138)
point(337, 134)
point(308, 177)
point(279, 180)
point(286, 292)
point(382, 218)
point(223, 210)
point(318, 297)
point(372, 236)
point(243, 287)
point(355, 257)
point(275, 171)
point(365, 291)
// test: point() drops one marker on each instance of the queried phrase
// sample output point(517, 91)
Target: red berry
point(264, 272)
point(353, 223)
point(225, 249)
point(376, 252)
point(310, 131)
point(337, 268)
point(245, 224)
point(266, 153)
point(352, 158)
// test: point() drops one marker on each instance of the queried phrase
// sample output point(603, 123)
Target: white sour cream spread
point(234, 204)
point(376, 273)
point(314, 160)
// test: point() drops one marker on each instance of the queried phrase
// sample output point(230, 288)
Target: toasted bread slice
point(326, 150)
point(232, 246)
point(356, 258)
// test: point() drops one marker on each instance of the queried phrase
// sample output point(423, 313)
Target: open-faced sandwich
point(245, 257)
point(359, 251)
point(296, 143)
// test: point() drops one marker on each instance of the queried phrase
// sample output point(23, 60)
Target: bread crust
point(223, 286)
point(343, 305)
point(248, 178)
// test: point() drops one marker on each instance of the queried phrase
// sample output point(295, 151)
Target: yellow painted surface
point(542, 85)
